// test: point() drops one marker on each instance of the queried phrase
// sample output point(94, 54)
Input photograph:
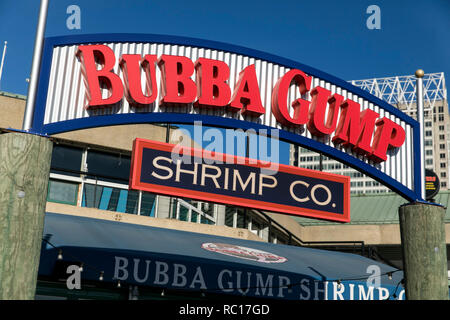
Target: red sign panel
point(204, 175)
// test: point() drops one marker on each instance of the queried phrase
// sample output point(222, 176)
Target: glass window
point(132, 202)
point(194, 216)
point(205, 220)
point(92, 195)
point(108, 198)
point(108, 166)
point(256, 227)
point(241, 223)
point(66, 159)
point(148, 204)
point(183, 214)
point(62, 192)
point(229, 216)
point(113, 195)
point(207, 208)
point(173, 210)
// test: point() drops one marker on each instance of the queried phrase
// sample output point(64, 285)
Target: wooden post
point(24, 172)
point(424, 250)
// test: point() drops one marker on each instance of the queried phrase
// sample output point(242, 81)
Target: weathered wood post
point(24, 172)
point(424, 251)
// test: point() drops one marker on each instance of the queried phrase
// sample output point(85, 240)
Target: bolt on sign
point(238, 181)
point(109, 79)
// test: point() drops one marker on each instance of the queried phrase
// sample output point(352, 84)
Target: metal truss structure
point(402, 89)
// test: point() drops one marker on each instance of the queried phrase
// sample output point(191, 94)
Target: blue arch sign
point(98, 80)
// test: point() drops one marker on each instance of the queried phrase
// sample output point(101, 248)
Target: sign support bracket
point(35, 67)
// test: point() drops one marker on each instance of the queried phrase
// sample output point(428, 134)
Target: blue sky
point(328, 35)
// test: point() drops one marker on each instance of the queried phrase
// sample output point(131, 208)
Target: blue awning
point(166, 258)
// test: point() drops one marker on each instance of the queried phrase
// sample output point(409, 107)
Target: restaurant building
point(89, 206)
point(105, 240)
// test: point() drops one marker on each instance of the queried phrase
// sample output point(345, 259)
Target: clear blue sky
point(329, 35)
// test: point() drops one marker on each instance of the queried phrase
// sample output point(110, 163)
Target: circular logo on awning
point(243, 252)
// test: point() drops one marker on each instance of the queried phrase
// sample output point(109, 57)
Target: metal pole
point(170, 198)
point(419, 93)
point(3, 60)
point(37, 54)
